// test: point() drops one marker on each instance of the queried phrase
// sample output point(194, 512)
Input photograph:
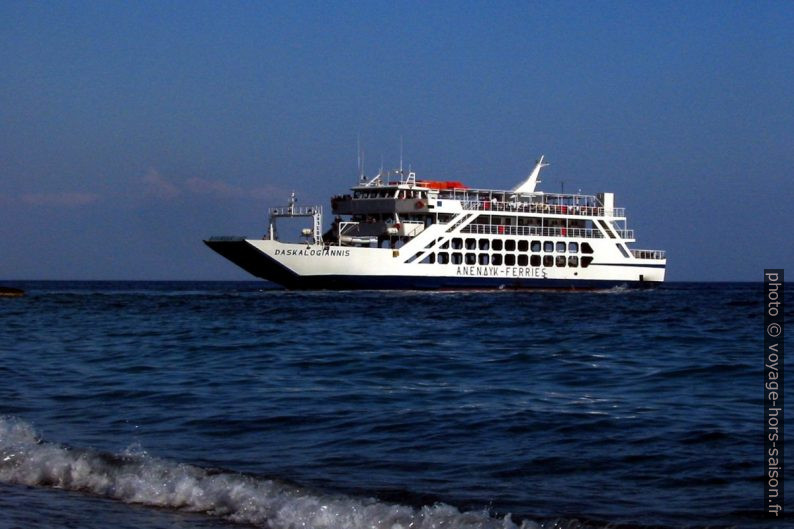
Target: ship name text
point(502, 271)
point(309, 252)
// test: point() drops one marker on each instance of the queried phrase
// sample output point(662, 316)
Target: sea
point(234, 405)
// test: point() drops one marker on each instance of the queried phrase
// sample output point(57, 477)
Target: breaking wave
point(135, 477)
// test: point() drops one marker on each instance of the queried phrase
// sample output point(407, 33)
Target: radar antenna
point(361, 177)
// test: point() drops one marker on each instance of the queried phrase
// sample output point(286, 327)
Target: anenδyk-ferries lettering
point(395, 231)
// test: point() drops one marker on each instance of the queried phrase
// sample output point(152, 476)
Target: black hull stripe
point(629, 265)
point(455, 283)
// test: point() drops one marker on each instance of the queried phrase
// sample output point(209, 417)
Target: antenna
point(401, 153)
point(358, 154)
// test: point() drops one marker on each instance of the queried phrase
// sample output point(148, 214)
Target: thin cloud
point(218, 188)
point(202, 186)
point(270, 193)
point(68, 199)
point(158, 186)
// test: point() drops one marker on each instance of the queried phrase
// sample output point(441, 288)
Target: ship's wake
point(135, 477)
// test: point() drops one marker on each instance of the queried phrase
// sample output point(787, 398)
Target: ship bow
point(245, 255)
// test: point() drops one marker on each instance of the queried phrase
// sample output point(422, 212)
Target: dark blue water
point(210, 405)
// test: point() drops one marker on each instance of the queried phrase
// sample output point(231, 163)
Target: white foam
point(618, 289)
point(135, 477)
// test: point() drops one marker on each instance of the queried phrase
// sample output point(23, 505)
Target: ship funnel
point(528, 186)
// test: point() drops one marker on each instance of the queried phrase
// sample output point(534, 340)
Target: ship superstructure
point(396, 231)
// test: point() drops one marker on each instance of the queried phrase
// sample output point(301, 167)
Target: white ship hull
point(301, 266)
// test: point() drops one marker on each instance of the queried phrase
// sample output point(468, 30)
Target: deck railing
point(548, 209)
point(295, 211)
point(648, 254)
point(496, 229)
point(625, 234)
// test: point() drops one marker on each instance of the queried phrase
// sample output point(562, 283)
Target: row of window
point(511, 245)
point(497, 259)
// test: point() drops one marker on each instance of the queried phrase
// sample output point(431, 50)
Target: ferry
point(396, 231)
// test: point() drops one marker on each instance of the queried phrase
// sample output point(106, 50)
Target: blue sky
point(130, 131)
